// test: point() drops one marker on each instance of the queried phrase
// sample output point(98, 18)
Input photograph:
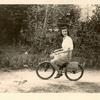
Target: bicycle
point(73, 71)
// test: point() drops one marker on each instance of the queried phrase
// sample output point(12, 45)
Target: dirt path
point(26, 81)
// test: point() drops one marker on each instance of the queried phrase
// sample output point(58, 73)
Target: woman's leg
point(56, 64)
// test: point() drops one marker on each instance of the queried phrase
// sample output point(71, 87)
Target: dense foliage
point(37, 27)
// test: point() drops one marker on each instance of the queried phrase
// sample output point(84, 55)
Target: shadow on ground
point(89, 87)
point(83, 87)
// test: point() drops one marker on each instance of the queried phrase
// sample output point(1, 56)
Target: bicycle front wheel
point(45, 70)
point(74, 74)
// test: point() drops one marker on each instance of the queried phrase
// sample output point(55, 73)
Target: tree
point(11, 21)
point(41, 18)
point(88, 39)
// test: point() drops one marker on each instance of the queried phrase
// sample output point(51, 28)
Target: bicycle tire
point(76, 79)
point(49, 67)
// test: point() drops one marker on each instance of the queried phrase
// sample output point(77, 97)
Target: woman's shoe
point(58, 75)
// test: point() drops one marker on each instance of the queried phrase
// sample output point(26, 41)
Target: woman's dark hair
point(62, 28)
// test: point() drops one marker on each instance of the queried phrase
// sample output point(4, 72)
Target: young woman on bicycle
point(62, 55)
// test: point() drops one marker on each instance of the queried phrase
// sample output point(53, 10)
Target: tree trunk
point(45, 20)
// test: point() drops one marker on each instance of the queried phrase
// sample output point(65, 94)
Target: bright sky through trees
point(86, 11)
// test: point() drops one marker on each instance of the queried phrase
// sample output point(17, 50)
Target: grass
point(15, 58)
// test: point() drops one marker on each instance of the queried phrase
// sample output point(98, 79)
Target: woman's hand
point(52, 55)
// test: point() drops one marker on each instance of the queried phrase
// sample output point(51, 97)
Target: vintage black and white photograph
point(50, 48)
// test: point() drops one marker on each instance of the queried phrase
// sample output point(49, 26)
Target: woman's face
point(64, 32)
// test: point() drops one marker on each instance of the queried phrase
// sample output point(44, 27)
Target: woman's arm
point(58, 50)
point(64, 51)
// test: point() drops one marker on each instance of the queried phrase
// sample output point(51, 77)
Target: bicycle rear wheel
point(74, 74)
point(45, 70)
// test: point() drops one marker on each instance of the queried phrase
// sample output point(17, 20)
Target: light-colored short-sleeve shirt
point(67, 43)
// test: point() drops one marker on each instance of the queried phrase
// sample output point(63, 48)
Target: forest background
point(36, 28)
